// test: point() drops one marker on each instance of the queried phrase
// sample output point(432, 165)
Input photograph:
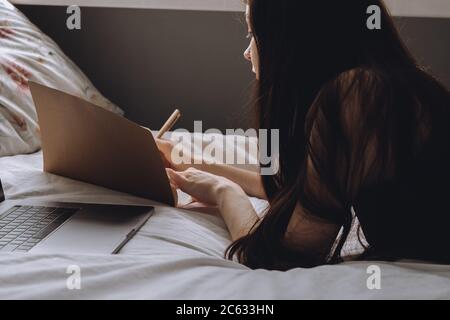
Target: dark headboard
point(149, 61)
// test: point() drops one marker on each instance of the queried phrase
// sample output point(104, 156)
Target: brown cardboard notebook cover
point(85, 142)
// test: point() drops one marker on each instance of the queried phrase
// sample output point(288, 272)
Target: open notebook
point(85, 142)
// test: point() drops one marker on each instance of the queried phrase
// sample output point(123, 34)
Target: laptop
point(56, 227)
point(85, 142)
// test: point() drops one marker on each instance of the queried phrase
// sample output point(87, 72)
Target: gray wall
point(148, 61)
point(429, 40)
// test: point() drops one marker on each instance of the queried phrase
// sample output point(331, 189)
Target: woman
point(361, 126)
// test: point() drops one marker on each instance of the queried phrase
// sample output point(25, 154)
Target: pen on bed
point(169, 123)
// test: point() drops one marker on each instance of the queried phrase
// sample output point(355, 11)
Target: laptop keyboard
point(23, 227)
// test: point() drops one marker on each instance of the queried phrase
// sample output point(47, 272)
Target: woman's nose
point(248, 53)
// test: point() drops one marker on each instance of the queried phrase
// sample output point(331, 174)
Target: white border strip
point(406, 8)
point(201, 5)
point(420, 8)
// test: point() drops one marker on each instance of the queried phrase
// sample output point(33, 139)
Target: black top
point(383, 149)
point(408, 216)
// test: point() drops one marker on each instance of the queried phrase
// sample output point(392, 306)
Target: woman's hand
point(249, 181)
point(197, 159)
point(166, 148)
point(204, 187)
point(234, 205)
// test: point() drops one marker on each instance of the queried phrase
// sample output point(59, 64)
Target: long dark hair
point(303, 45)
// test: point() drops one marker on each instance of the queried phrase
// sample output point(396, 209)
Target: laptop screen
point(2, 195)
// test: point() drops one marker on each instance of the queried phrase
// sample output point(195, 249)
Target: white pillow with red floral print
point(28, 54)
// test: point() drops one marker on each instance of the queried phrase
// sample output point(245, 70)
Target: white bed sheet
point(178, 255)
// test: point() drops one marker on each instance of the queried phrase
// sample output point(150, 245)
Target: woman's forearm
point(231, 200)
point(237, 212)
point(248, 180)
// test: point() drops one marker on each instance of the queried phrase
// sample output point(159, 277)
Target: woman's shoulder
point(357, 92)
point(374, 94)
point(364, 80)
point(388, 83)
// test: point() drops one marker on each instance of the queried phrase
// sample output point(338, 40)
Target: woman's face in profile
point(251, 54)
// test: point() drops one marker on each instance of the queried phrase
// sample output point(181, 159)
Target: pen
point(169, 123)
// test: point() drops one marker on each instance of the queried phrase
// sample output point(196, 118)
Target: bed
point(178, 254)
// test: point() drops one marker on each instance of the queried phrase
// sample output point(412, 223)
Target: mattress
point(178, 254)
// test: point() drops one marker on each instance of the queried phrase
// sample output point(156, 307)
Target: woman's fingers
point(174, 188)
point(166, 149)
point(166, 163)
point(186, 181)
point(173, 185)
point(164, 145)
point(176, 178)
point(198, 184)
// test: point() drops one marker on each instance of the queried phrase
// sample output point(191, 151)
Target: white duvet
point(178, 254)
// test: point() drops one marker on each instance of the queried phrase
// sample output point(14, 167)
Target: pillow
point(28, 54)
